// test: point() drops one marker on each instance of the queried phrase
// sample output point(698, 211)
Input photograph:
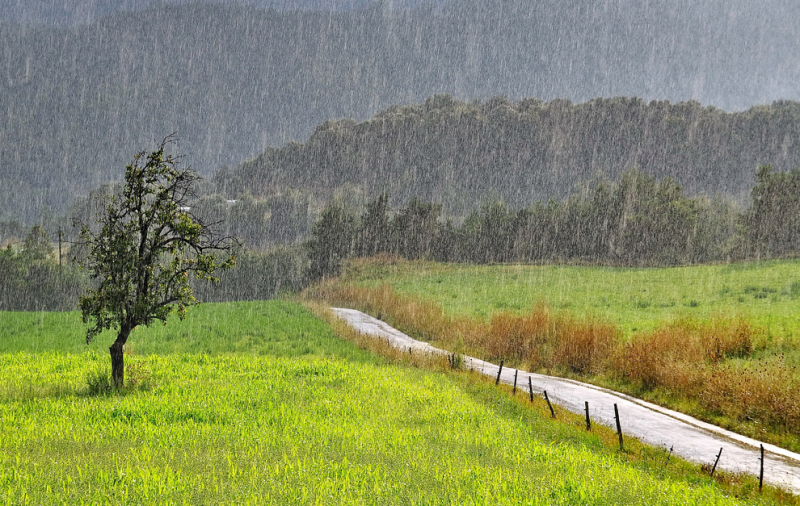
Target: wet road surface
point(689, 438)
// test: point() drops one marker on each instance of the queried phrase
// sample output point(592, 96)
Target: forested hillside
point(231, 80)
point(463, 154)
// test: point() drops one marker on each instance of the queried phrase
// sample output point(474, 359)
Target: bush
point(768, 392)
point(584, 347)
point(99, 382)
point(676, 356)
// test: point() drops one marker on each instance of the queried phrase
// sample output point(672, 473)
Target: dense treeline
point(233, 79)
point(638, 221)
point(31, 279)
point(461, 154)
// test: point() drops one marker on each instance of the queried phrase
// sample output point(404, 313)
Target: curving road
point(689, 438)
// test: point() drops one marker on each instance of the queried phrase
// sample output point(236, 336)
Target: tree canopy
point(147, 246)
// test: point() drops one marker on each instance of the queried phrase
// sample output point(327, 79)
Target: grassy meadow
point(634, 299)
point(719, 342)
point(262, 403)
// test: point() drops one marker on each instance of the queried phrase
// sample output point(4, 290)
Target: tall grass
point(707, 364)
point(767, 393)
point(311, 421)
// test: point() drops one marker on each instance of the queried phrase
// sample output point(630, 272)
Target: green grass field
point(261, 403)
point(767, 293)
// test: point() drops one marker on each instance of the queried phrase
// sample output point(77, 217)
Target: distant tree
point(37, 245)
point(773, 219)
point(332, 238)
point(146, 247)
point(373, 234)
point(496, 231)
point(415, 229)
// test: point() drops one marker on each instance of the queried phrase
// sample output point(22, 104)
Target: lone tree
point(142, 250)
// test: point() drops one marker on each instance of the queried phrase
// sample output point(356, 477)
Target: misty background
point(84, 85)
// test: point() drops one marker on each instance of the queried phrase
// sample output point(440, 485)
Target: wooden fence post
point(530, 387)
point(552, 413)
point(588, 422)
point(497, 382)
point(715, 463)
point(514, 392)
point(619, 428)
point(669, 454)
point(761, 474)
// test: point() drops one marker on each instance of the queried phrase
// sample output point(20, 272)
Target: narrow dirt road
point(689, 438)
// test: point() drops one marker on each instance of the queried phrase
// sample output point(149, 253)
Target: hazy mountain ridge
point(232, 80)
point(463, 154)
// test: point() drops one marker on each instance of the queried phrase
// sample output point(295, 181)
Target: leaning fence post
point(761, 474)
point(588, 422)
point(497, 382)
point(530, 387)
point(669, 454)
point(552, 413)
point(619, 428)
point(516, 371)
point(715, 463)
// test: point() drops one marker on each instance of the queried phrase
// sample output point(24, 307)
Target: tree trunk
point(118, 358)
point(117, 364)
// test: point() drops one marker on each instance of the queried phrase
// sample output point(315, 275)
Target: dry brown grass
point(670, 357)
point(584, 347)
point(678, 356)
point(424, 320)
point(689, 359)
point(768, 393)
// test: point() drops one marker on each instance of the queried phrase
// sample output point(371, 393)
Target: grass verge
point(323, 423)
point(722, 369)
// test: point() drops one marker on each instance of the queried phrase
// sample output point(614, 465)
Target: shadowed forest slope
point(462, 154)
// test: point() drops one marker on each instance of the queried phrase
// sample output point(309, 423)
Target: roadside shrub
point(584, 347)
point(519, 337)
point(728, 338)
point(768, 392)
point(677, 355)
point(666, 357)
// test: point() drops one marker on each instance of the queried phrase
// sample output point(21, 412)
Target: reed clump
point(767, 392)
point(679, 355)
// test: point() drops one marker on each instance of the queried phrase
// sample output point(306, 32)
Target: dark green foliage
point(146, 246)
point(463, 155)
point(773, 220)
point(332, 240)
point(374, 235)
point(32, 279)
point(415, 229)
point(638, 221)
